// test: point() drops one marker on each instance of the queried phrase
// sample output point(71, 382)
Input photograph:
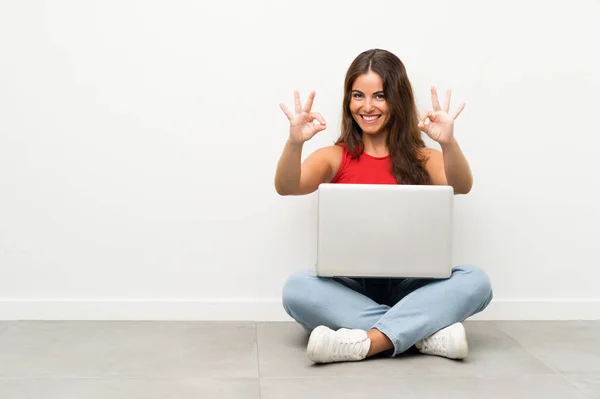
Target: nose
point(368, 107)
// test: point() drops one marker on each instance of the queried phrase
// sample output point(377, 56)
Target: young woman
point(380, 143)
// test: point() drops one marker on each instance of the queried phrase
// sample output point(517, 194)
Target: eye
point(380, 96)
point(357, 95)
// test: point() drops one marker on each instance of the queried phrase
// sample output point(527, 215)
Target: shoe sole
point(315, 339)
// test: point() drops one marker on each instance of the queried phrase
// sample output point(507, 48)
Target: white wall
point(138, 144)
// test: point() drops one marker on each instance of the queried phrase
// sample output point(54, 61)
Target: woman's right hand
point(302, 126)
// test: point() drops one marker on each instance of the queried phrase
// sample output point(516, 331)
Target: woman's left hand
point(441, 124)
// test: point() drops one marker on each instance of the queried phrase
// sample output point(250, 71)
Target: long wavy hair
point(404, 137)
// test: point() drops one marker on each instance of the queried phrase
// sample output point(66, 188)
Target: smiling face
point(368, 105)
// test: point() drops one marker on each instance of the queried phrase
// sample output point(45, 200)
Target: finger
point(447, 101)
point(423, 127)
point(297, 102)
point(319, 117)
point(319, 128)
point(434, 99)
point(458, 111)
point(309, 102)
point(425, 115)
point(286, 111)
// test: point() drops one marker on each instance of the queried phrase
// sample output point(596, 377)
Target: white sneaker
point(326, 345)
point(450, 342)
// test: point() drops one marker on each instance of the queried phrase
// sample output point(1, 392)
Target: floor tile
point(566, 346)
point(128, 389)
point(587, 383)
point(179, 350)
point(282, 353)
point(497, 387)
point(337, 387)
point(430, 387)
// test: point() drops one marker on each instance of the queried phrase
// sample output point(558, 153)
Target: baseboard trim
point(142, 309)
point(258, 309)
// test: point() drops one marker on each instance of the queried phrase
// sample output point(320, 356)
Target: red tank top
point(366, 169)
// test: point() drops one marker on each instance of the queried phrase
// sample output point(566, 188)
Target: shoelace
point(344, 347)
point(436, 343)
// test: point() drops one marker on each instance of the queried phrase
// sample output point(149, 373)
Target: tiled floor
point(61, 360)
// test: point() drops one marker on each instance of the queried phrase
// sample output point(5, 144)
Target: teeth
point(370, 118)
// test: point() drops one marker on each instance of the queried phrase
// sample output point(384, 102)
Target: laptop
point(384, 230)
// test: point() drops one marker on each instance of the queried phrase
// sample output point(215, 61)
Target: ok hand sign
point(441, 126)
point(302, 126)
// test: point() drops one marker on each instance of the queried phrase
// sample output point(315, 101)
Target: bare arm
point(449, 167)
point(456, 168)
point(288, 173)
point(294, 177)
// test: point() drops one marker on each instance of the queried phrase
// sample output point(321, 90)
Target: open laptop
point(384, 230)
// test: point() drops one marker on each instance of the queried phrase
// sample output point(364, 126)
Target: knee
point(477, 283)
point(296, 291)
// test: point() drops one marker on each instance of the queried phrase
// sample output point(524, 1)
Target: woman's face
point(367, 103)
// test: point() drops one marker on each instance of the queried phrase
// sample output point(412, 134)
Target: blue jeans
point(405, 310)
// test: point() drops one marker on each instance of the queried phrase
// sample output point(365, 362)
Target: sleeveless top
point(365, 169)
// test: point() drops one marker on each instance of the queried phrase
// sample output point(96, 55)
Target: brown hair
point(404, 137)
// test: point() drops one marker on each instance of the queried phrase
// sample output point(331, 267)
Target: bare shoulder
point(331, 155)
point(429, 152)
point(434, 164)
point(331, 150)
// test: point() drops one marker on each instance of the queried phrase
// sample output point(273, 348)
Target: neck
point(376, 144)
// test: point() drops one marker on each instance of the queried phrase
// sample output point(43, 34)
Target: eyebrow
point(377, 92)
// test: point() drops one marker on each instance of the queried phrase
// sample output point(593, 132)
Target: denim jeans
point(405, 310)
